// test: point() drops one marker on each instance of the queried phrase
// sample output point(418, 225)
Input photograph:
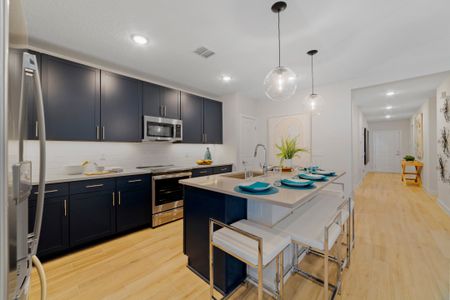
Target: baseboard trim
point(444, 206)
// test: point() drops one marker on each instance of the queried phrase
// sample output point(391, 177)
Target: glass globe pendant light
point(281, 82)
point(313, 102)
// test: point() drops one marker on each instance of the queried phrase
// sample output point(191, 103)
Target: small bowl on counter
point(73, 169)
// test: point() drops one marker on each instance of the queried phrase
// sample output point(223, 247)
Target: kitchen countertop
point(60, 178)
point(289, 198)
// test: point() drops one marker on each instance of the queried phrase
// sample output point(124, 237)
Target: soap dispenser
point(207, 154)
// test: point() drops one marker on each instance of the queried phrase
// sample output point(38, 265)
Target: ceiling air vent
point(204, 52)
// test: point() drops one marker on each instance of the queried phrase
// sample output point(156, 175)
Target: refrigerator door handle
point(30, 68)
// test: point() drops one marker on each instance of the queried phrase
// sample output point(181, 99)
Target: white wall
point(127, 155)
point(402, 125)
point(429, 172)
point(331, 132)
point(359, 122)
point(443, 187)
point(238, 105)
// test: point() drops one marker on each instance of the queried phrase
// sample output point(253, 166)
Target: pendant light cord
point(279, 41)
point(312, 75)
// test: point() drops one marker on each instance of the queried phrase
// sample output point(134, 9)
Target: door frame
point(372, 148)
point(241, 117)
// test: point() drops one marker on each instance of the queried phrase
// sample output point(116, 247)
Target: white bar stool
point(317, 225)
point(254, 244)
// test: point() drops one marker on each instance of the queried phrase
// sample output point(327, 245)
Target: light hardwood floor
point(402, 252)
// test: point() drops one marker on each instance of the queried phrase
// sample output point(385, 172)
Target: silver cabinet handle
point(203, 172)
point(97, 132)
point(65, 208)
point(47, 192)
point(161, 111)
point(94, 186)
point(113, 199)
point(36, 129)
point(120, 198)
point(165, 111)
point(103, 132)
point(134, 180)
point(206, 137)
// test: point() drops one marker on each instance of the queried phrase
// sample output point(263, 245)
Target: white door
point(247, 141)
point(386, 151)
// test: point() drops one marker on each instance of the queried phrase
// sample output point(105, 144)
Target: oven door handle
point(169, 176)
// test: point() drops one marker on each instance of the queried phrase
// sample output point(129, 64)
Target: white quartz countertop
point(60, 178)
point(290, 198)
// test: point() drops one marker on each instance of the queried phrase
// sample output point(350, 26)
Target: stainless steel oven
point(167, 197)
point(162, 129)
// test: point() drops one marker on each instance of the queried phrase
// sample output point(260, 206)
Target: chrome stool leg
point(211, 261)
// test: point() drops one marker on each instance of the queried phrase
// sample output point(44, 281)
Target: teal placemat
point(309, 187)
point(271, 191)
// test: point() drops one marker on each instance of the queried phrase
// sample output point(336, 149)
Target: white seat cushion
point(307, 224)
point(274, 241)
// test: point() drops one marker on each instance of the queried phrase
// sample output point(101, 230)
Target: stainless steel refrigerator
point(21, 95)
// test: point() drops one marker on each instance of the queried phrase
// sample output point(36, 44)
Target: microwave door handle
point(30, 66)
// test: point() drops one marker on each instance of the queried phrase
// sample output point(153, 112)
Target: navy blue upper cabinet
point(71, 100)
point(212, 121)
point(120, 108)
point(192, 116)
point(170, 102)
point(202, 120)
point(151, 105)
point(159, 101)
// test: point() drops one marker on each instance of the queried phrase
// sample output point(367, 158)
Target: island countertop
point(290, 198)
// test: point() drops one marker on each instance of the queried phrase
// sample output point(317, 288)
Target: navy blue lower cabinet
point(92, 216)
point(133, 210)
point(199, 206)
point(55, 225)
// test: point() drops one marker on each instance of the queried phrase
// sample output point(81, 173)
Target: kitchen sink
point(241, 175)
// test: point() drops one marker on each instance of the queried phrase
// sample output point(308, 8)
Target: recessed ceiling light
point(390, 93)
point(139, 39)
point(388, 116)
point(226, 78)
point(389, 107)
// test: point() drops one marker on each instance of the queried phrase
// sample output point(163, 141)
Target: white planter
point(287, 163)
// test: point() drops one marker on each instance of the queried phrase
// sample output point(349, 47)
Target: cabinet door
point(71, 100)
point(55, 225)
point(151, 105)
point(170, 100)
point(92, 216)
point(212, 121)
point(191, 114)
point(133, 209)
point(121, 108)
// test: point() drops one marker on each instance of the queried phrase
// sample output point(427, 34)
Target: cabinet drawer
point(88, 186)
point(222, 169)
point(202, 172)
point(51, 190)
point(133, 182)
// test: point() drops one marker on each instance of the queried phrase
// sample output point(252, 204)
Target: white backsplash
point(126, 155)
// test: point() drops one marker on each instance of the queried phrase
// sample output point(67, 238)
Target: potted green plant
point(288, 150)
point(409, 158)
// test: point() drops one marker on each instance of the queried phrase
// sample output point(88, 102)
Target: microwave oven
point(162, 129)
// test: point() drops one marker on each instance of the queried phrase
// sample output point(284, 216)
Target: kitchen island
point(215, 197)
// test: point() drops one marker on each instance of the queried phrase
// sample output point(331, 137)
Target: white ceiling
point(410, 94)
point(354, 37)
